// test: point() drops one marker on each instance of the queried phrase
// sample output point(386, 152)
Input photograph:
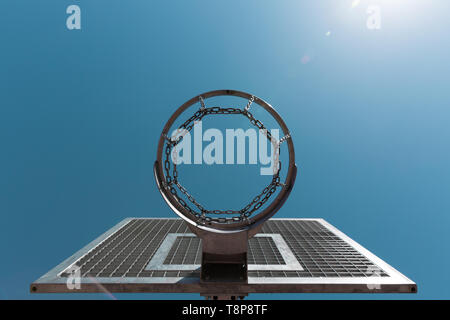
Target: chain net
point(173, 185)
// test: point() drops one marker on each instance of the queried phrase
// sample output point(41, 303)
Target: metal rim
point(234, 227)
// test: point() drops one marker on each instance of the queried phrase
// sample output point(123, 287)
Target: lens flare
point(355, 3)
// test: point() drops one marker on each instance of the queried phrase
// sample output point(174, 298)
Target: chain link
point(247, 107)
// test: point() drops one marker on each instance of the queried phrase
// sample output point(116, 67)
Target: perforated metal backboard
point(162, 255)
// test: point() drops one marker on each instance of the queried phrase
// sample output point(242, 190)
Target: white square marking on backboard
point(157, 262)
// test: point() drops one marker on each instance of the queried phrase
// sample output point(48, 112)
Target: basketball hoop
point(224, 239)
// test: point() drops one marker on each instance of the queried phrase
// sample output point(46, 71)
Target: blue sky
point(81, 112)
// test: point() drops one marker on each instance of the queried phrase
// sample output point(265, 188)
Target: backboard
point(163, 255)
